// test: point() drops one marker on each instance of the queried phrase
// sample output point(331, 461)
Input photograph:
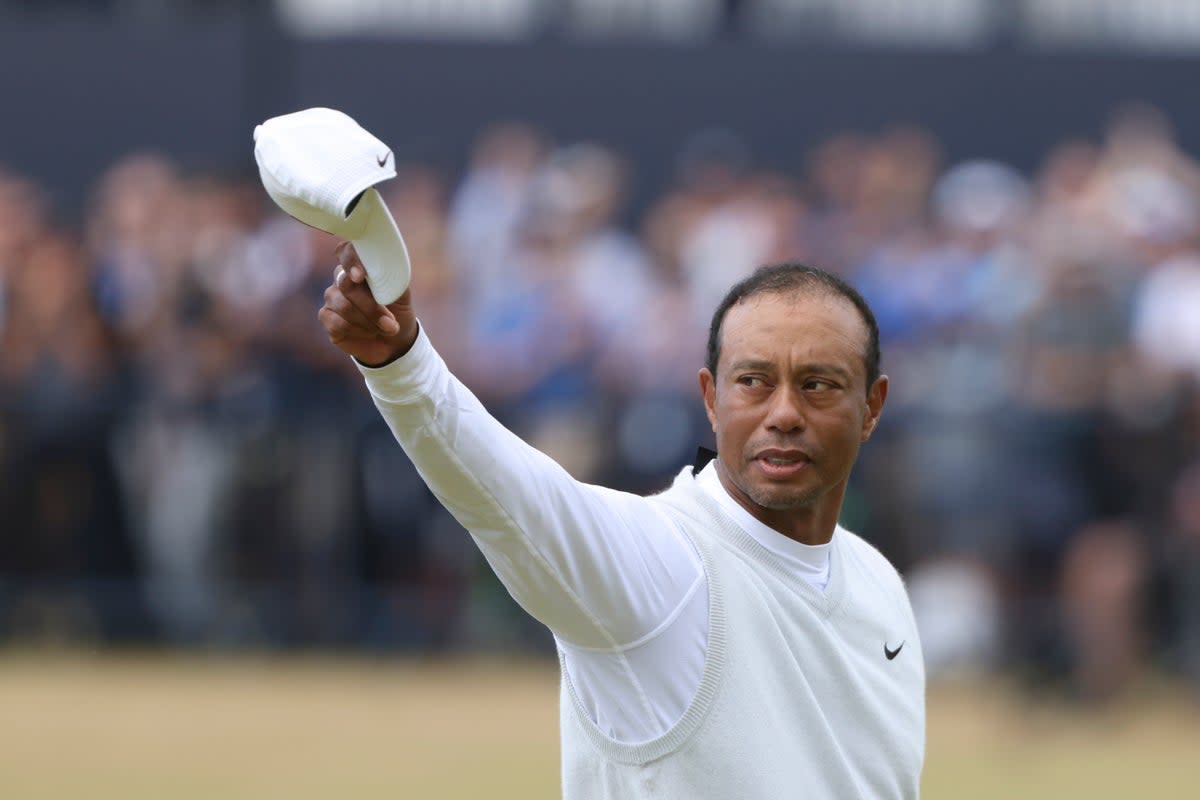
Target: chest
point(852, 675)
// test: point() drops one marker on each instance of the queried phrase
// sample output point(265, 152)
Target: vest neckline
point(826, 601)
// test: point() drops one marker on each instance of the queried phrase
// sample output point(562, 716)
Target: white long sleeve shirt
point(618, 584)
point(704, 655)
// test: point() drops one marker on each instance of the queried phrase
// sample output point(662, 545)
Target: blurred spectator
point(138, 237)
point(172, 426)
point(488, 204)
point(959, 615)
point(65, 538)
point(1104, 581)
point(1183, 567)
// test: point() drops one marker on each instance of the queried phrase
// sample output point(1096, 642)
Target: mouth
point(776, 463)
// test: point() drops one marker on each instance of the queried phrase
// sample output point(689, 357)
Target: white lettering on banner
point(1141, 25)
point(494, 19)
point(670, 19)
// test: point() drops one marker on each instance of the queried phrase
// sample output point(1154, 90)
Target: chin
point(783, 499)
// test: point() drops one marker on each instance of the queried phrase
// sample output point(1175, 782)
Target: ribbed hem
point(716, 650)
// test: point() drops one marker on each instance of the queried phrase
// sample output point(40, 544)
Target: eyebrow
point(766, 366)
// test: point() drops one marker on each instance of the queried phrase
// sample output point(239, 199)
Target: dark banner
point(75, 98)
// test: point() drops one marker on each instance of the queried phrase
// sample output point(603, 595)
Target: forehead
point(796, 326)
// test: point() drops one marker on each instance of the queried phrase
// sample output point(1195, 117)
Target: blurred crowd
point(184, 458)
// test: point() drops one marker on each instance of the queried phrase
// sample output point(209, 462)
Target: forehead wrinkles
point(841, 322)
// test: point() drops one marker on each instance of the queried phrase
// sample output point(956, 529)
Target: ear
point(708, 390)
point(876, 397)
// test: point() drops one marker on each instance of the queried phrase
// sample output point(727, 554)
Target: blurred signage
point(666, 19)
point(1142, 25)
point(504, 19)
point(952, 23)
point(485, 19)
point(1126, 24)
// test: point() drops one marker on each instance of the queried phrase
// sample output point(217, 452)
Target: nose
point(785, 412)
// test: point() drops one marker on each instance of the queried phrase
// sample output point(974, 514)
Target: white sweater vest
point(799, 697)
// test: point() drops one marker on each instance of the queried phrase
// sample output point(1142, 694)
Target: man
point(725, 638)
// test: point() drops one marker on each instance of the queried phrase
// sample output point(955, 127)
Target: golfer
point(725, 639)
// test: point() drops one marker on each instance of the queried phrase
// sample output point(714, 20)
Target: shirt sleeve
point(600, 568)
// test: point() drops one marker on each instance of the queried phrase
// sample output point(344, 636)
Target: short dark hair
point(795, 277)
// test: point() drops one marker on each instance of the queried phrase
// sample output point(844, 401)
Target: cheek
point(842, 429)
point(733, 423)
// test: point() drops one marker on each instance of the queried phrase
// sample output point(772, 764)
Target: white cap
point(320, 166)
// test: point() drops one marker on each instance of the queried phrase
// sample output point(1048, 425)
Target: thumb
point(403, 305)
point(386, 320)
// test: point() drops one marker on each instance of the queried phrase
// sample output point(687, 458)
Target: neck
point(811, 523)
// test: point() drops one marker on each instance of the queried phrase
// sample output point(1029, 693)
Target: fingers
point(336, 301)
point(350, 296)
point(342, 330)
point(335, 325)
point(349, 261)
point(358, 312)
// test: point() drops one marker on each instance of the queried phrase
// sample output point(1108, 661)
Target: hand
point(374, 334)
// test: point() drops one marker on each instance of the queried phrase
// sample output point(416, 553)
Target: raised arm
point(600, 568)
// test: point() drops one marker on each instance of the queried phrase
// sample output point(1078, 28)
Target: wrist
point(403, 343)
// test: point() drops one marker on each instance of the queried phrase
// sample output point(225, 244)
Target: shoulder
point(689, 506)
point(683, 492)
point(870, 560)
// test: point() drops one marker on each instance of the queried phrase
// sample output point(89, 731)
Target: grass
point(168, 727)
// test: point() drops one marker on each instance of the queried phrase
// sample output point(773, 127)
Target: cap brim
point(381, 248)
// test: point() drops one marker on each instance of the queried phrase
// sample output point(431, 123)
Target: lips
point(778, 463)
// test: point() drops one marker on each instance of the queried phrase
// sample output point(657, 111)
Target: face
point(789, 404)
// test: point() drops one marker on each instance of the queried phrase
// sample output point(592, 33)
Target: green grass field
point(159, 727)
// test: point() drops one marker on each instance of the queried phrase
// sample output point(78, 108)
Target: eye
point(751, 381)
point(817, 385)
